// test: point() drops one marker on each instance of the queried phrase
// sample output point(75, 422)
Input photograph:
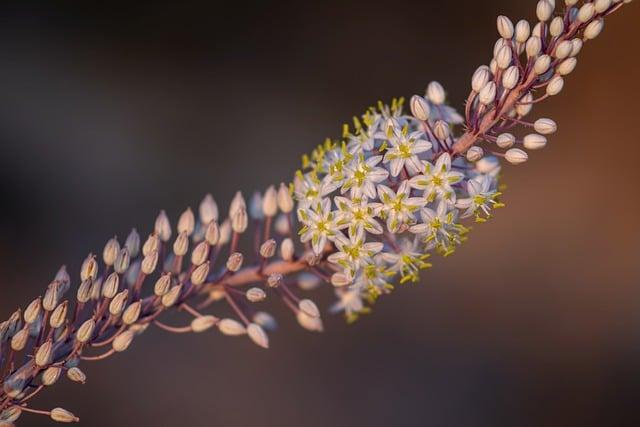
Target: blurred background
point(111, 112)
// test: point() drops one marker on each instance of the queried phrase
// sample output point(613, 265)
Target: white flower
point(481, 197)
point(309, 190)
point(373, 278)
point(335, 162)
point(436, 225)
point(355, 250)
point(357, 213)
point(366, 137)
point(404, 149)
point(319, 225)
point(398, 207)
point(437, 180)
point(408, 259)
point(362, 175)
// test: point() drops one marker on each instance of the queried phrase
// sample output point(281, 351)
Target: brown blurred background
point(109, 113)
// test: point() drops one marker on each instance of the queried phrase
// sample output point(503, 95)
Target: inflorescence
point(366, 211)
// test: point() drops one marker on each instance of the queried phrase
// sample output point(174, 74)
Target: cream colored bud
point(341, 279)
point(84, 291)
point(76, 375)
point(570, 2)
point(111, 285)
point(212, 234)
point(236, 204)
point(586, 12)
point(441, 130)
point(258, 335)
point(480, 78)
point(239, 221)
point(231, 327)
point(523, 31)
point(203, 323)
point(59, 315)
point(563, 50)
point(44, 355)
point(505, 140)
point(200, 273)
point(132, 313)
point(89, 269)
point(225, 232)
point(504, 57)
point(538, 31)
point(152, 244)
point(181, 245)
point(435, 93)
point(270, 202)
point(32, 312)
point(51, 296)
point(85, 331)
point(533, 47)
point(281, 225)
point(162, 227)
point(594, 29)
point(19, 339)
point(96, 289)
point(162, 285)
point(200, 253)
point(186, 222)
point(555, 86)
point(274, 280)
point(287, 249)
point(542, 64)
point(149, 263)
point(309, 308)
point(488, 94)
point(534, 141)
point(63, 416)
point(268, 248)
point(511, 77)
point(122, 261)
point(577, 46)
point(525, 107)
point(567, 66)
point(133, 243)
point(171, 297)
point(545, 126)
point(255, 295)
point(235, 261)
point(123, 341)
point(208, 210)
point(285, 201)
point(500, 43)
point(313, 324)
point(265, 320)
point(556, 27)
point(51, 375)
point(419, 108)
point(544, 10)
point(116, 306)
point(110, 251)
point(505, 27)
point(602, 5)
point(516, 156)
point(474, 153)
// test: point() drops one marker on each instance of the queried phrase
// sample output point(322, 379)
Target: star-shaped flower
point(404, 148)
point(398, 207)
point(358, 213)
point(482, 198)
point(361, 176)
point(319, 225)
point(437, 180)
point(354, 251)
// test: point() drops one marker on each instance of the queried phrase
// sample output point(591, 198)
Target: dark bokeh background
point(109, 113)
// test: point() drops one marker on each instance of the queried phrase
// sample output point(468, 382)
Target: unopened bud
point(110, 251)
point(602, 5)
point(488, 94)
point(475, 153)
point(270, 202)
point(523, 31)
point(309, 307)
point(19, 339)
point(181, 245)
point(505, 140)
point(118, 303)
point(133, 243)
point(85, 331)
point(419, 108)
point(50, 375)
point(236, 204)
point(594, 29)
point(544, 10)
point(511, 77)
point(503, 58)
point(32, 311)
point(258, 335)
point(44, 354)
point(239, 221)
point(123, 341)
point(480, 78)
point(63, 416)
point(441, 130)
point(203, 323)
point(563, 50)
point(255, 295)
point(534, 141)
point(235, 261)
point(76, 375)
point(84, 291)
point(122, 261)
point(51, 296)
point(505, 27)
point(586, 12)
point(171, 297)
point(555, 86)
point(556, 27)
point(274, 280)
point(152, 244)
point(435, 93)
point(59, 315)
point(268, 248)
point(212, 234)
point(287, 249)
point(285, 201)
point(231, 327)
point(163, 284)
point(89, 269)
point(208, 209)
point(132, 313)
point(200, 273)
point(545, 126)
point(516, 156)
point(162, 227)
point(542, 64)
point(533, 46)
point(111, 285)
point(313, 324)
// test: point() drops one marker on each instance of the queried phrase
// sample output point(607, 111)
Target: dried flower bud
point(85, 331)
point(287, 249)
point(309, 307)
point(239, 221)
point(235, 261)
point(76, 375)
point(258, 335)
point(534, 141)
point(59, 315)
point(44, 354)
point(480, 78)
point(313, 324)
point(505, 140)
point(149, 263)
point(545, 126)
point(208, 210)
point(420, 108)
point(122, 261)
point(523, 31)
point(171, 297)
point(123, 341)
point(152, 244)
point(586, 12)
point(488, 94)
point(441, 130)
point(231, 327)
point(132, 313)
point(110, 251)
point(111, 285)
point(84, 291)
point(200, 273)
point(435, 93)
point(255, 295)
point(203, 323)
point(118, 303)
point(265, 320)
point(89, 269)
point(544, 10)
point(19, 340)
point(268, 248)
point(556, 27)
point(505, 27)
point(162, 227)
point(63, 416)
point(236, 204)
point(50, 375)
point(555, 86)
point(533, 46)
point(163, 284)
point(32, 311)
point(475, 153)
point(285, 201)
point(270, 202)
point(511, 77)
point(212, 234)
point(274, 280)
point(516, 156)
point(542, 64)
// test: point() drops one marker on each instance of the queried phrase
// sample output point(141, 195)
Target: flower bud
point(594, 29)
point(420, 108)
point(287, 249)
point(503, 58)
point(239, 221)
point(89, 269)
point(255, 295)
point(475, 153)
point(231, 327)
point(285, 201)
point(186, 222)
point(51, 296)
point(441, 130)
point(118, 303)
point(505, 27)
point(511, 77)
point(152, 244)
point(110, 251)
point(163, 284)
point(258, 335)
point(268, 248)
point(270, 202)
point(212, 234)
point(96, 289)
point(208, 210)
point(480, 78)
point(309, 308)
point(542, 64)
point(236, 204)
point(111, 285)
point(545, 126)
point(44, 354)
point(313, 324)
point(149, 263)
point(488, 94)
point(265, 320)
point(85, 331)
point(132, 313)
point(281, 225)
point(225, 232)
point(133, 243)
point(59, 315)
point(162, 227)
point(516, 156)
point(544, 10)
point(534, 141)
point(171, 297)
point(203, 323)
point(525, 106)
point(63, 416)
point(200, 253)
point(76, 375)
point(556, 27)
point(567, 66)
point(50, 375)
point(523, 31)
point(122, 261)
point(123, 341)
point(19, 339)
point(181, 245)
point(200, 273)
point(435, 93)
point(341, 279)
point(602, 5)
point(555, 86)
point(505, 140)
point(586, 12)
point(274, 280)
point(84, 292)
point(235, 261)
point(32, 311)
point(577, 46)
point(533, 47)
